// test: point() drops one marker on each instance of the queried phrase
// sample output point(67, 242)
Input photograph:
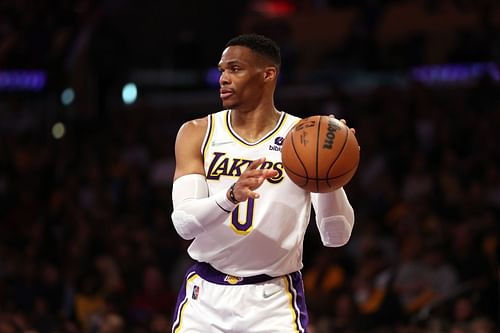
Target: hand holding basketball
point(320, 154)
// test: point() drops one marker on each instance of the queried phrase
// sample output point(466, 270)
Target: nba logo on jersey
point(196, 292)
point(232, 279)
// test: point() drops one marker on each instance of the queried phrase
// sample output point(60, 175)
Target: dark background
point(86, 241)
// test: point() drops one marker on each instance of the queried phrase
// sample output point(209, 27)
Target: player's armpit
point(194, 211)
point(334, 217)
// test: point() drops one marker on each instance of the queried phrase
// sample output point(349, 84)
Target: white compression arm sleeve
point(334, 217)
point(194, 210)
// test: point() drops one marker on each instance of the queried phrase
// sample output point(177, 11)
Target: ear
point(270, 73)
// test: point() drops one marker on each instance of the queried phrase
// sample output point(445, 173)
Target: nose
point(223, 79)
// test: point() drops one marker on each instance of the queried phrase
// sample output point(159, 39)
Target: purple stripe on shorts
point(299, 305)
point(181, 299)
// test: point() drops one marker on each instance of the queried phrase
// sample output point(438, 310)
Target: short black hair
point(261, 44)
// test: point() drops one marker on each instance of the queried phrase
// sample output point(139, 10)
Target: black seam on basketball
point(298, 157)
point(295, 173)
point(317, 153)
point(288, 171)
point(338, 155)
point(324, 179)
point(345, 173)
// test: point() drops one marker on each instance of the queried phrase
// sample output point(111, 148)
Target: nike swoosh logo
point(221, 143)
point(269, 293)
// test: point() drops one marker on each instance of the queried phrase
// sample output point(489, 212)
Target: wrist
point(222, 200)
point(230, 194)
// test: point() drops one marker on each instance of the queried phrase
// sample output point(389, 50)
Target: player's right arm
point(195, 211)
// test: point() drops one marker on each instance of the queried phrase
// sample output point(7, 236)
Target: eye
point(235, 68)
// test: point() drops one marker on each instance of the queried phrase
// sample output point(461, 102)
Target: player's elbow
point(336, 231)
point(185, 224)
point(337, 240)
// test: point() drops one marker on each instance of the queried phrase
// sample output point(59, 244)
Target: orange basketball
point(320, 154)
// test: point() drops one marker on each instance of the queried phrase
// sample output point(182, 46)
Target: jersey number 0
point(243, 227)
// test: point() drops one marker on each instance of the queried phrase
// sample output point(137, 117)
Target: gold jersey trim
point(208, 136)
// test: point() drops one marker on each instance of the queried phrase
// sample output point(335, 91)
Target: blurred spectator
point(89, 303)
point(374, 292)
point(439, 275)
point(111, 323)
point(153, 298)
point(326, 275)
point(86, 241)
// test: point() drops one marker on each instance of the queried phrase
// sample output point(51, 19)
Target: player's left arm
point(334, 215)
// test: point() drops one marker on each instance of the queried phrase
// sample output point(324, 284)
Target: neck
point(253, 125)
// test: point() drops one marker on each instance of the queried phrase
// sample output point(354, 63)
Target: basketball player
point(247, 220)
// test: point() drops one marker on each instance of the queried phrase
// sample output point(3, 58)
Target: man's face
point(242, 77)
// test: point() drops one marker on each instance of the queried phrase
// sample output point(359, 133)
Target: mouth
point(225, 93)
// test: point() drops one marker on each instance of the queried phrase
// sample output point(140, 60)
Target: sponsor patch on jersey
point(196, 292)
point(231, 279)
point(274, 147)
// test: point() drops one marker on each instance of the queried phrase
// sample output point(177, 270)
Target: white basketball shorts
point(212, 302)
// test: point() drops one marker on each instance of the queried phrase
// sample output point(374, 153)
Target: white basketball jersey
point(260, 236)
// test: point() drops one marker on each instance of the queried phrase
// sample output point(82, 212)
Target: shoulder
point(201, 124)
point(192, 132)
point(188, 147)
point(194, 129)
point(195, 126)
point(291, 120)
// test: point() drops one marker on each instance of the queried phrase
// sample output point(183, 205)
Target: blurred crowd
point(423, 257)
point(86, 241)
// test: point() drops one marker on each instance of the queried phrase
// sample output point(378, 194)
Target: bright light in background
point(22, 80)
point(67, 96)
point(129, 93)
point(274, 8)
point(455, 73)
point(58, 130)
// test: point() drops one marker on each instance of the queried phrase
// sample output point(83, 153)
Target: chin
point(228, 105)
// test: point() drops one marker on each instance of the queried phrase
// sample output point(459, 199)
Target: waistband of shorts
point(210, 274)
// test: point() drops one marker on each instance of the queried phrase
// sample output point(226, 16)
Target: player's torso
point(261, 236)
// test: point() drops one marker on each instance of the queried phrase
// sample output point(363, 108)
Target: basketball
point(320, 154)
